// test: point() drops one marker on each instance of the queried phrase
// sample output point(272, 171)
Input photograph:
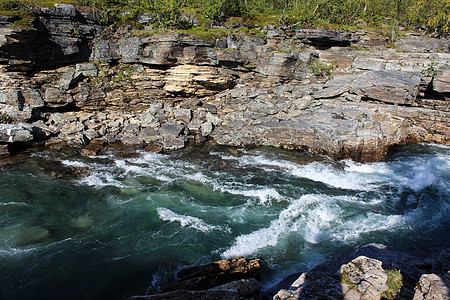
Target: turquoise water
point(79, 227)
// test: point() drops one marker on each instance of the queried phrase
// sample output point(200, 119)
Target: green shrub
point(394, 283)
point(321, 69)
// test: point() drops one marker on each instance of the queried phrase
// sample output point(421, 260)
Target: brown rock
point(94, 147)
point(217, 273)
point(4, 152)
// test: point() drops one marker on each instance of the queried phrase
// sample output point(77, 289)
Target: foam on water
point(264, 194)
point(74, 163)
point(421, 172)
point(192, 222)
point(313, 216)
point(354, 228)
point(353, 176)
point(310, 211)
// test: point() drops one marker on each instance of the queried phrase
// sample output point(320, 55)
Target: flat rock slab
point(388, 86)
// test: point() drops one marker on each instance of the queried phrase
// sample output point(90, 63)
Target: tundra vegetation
point(431, 16)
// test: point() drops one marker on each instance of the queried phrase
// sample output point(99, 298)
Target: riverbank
point(342, 94)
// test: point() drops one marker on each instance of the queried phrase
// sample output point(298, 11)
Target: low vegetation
point(432, 16)
point(394, 283)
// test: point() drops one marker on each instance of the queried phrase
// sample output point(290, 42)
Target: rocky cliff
point(70, 79)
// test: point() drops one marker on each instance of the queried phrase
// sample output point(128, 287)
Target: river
point(76, 227)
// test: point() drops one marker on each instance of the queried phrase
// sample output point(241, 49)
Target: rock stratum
point(69, 79)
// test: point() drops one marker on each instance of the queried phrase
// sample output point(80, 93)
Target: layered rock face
point(82, 83)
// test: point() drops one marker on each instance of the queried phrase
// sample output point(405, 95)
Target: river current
point(75, 227)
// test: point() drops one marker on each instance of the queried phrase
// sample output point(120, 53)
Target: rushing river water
point(120, 225)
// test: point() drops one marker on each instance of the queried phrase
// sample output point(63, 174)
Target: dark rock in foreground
point(370, 272)
point(225, 279)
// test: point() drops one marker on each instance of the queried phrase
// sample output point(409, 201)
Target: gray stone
point(173, 142)
point(11, 97)
point(441, 82)
point(54, 98)
point(61, 118)
point(213, 119)
point(69, 79)
point(195, 125)
point(183, 114)
point(149, 135)
point(87, 69)
point(132, 140)
point(146, 18)
point(431, 287)
point(211, 108)
point(74, 128)
point(173, 129)
point(132, 128)
point(64, 10)
point(207, 128)
point(33, 98)
point(13, 133)
point(388, 86)
point(331, 92)
point(91, 134)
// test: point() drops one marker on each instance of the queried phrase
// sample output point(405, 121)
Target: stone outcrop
point(15, 137)
point(85, 83)
point(361, 278)
point(363, 273)
point(225, 279)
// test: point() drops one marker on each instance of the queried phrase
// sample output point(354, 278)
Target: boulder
point(359, 273)
point(69, 79)
point(432, 287)
point(331, 92)
point(173, 129)
point(441, 82)
point(87, 69)
point(16, 133)
point(361, 278)
point(173, 142)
